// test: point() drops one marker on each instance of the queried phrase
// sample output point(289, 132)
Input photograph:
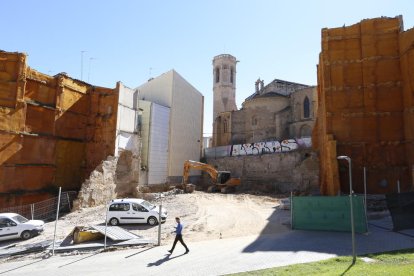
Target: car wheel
point(26, 235)
point(114, 221)
point(152, 221)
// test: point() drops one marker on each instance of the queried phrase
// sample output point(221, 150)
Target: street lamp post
point(106, 222)
point(159, 220)
point(343, 157)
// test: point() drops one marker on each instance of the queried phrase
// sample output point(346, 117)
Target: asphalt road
point(217, 257)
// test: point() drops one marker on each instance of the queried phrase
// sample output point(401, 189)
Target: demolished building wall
point(271, 173)
point(365, 88)
point(53, 131)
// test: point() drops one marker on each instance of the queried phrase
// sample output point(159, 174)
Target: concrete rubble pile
point(99, 188)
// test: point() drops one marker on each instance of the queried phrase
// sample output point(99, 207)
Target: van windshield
point(147, 205)
point(20, 219)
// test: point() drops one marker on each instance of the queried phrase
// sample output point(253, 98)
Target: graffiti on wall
point(258, 148)
point(270, 147)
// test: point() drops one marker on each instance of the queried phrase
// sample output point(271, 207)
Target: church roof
point(267, 91)
point(265, 95)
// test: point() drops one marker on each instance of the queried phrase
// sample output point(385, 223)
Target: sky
point(133, 40)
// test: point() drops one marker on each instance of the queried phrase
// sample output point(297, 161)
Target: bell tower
point(224, 84)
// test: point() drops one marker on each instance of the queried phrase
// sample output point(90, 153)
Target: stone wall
point(266, 118)
point(273, 173)
point(115, 177)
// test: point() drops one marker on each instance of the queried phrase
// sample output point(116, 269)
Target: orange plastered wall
point(54, 130)
point(407, 69)
point(363, 95)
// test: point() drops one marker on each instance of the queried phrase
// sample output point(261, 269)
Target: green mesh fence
point(329, 213)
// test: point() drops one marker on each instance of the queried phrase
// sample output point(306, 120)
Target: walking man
point(179, 236)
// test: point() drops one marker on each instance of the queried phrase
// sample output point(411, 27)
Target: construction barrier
point(401, 207)
point(46, 209)
point(328, 213)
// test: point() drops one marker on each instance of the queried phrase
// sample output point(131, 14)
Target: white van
point(134, 210)
point(13, 226)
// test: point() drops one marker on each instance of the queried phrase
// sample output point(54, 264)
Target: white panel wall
point(158, 90)
point(158, 144)
point(126, 119)
point(186, 125)
point(128, 141)
point(127, 96)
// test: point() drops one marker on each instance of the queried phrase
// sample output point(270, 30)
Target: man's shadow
point(163, 260)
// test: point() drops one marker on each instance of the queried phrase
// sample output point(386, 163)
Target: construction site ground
point(205, 216)
point(219, 256)
point(226, 233)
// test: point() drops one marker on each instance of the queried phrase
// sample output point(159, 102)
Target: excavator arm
point(229, 183)
point(190, 164)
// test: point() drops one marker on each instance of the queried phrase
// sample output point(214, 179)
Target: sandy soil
point(205, 216)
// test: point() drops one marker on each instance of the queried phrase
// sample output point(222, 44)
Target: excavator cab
point(223, 177)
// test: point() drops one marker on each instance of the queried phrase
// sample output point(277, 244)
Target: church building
point(276, 111)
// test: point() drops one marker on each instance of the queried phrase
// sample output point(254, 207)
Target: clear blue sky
point(272, 39)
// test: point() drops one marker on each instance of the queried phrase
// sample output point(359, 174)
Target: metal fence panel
point(45, 209)
point(328, 213)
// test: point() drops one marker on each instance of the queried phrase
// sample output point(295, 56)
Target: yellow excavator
point(221, 180)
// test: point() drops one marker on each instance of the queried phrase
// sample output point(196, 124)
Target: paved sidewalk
point(218, 257)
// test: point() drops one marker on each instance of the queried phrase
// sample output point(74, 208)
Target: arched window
point(306, 108)
point(225, 127)
point(217, 74)
point(231, 74)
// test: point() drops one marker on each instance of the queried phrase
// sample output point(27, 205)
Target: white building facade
point(185, 129)
point(154, 126)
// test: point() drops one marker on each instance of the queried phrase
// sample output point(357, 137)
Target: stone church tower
point(224, 84)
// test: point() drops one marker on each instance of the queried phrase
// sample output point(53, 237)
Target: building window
point(217, 75)
point(231, 74)
point(225, 127)
point(306, 109)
